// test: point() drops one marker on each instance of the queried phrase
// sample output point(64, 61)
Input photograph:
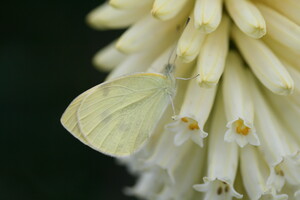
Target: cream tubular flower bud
point(281, 28)
point(167, 157)
point(283, 52)
point(159, 64)
point(294, 98)
point(121, 4)
point(131, 64)
point(247, 17)
point(292, 191)
point(167, 9)
point(182, 70)
point(255, 174)
point(148, 185)
point(108, 58)
point(280, 149)
point(288, 8)
point(107, 17)
point(265, 65)
point(207, 15)
point(190, 43)
point(290, 112)
point(211, 61)
point(289, 167)
point(222, 161)
point(138, 62)
point(186, 174)
point(141, 36)
point(142, 61)
point(238, 104)
point(196, 107)
point(135, 163)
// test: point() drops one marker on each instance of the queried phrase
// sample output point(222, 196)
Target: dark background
point(45, 61)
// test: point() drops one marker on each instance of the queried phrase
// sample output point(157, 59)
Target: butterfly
point(117, 117)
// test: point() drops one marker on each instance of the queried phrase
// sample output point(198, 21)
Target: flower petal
point(239, 107)
point(190, 43)
point(218, 184)
point(121, 4)
point(255, 174)
point(211, 61)
point(105, 16)
point(265, 65)
point(108, 58)
point(194, 112)
point(167, 9)
point(277, 145)
point(207, 15)
point(140, 36)
point(288, 8)
point(247, 17)
point(281, 28)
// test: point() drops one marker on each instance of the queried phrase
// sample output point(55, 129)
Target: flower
point(237, 130)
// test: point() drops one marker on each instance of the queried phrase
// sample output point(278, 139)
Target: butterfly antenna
point(171, 55)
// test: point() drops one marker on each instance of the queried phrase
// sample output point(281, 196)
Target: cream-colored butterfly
point(117, 117)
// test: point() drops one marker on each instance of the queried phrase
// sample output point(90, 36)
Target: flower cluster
point(237, 130)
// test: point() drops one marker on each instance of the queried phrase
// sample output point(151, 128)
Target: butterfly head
point(169, 69)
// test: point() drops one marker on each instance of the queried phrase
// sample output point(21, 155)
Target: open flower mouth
point(186, 128)
point(217, 189)
point(241, 128)
point(240, 132)
point(191, 124)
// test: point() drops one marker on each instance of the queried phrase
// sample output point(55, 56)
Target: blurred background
point(45, 60)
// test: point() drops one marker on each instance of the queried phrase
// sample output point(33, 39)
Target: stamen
point(279, 171)
point(194, 126)
point(227, 188)
point(220, 190)
point(241, 128)
point(184, 119)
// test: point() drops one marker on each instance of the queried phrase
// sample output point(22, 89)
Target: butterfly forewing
point(118, 116)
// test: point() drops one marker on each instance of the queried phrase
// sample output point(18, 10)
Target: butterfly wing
point(69, 118)
point(119, 116)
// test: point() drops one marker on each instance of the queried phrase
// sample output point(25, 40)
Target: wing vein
point(145, 97)
point(150, 108)
point(118, 143)
point(111, 97)
point(113, 105)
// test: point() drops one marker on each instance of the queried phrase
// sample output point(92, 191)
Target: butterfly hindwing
point(69, 118)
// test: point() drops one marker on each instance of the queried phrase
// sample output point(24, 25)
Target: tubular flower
point(238, 104)
point(237, 129)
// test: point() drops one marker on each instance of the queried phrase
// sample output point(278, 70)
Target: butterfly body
point(117, 117)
